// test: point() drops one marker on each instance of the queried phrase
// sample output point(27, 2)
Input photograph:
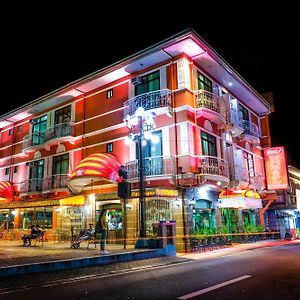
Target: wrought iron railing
point(210, 165)
point(205, 99)
point(58, 131)
point(153, 166)
point(151, 100)
point(250, 128)
point(30, 140)
point(234, 117)
point(42, 184)
point(55, 182)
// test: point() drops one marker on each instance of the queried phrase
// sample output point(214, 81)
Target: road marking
point(90, 277)
point(214, 287)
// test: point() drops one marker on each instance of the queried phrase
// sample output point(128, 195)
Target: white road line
point(214, 287)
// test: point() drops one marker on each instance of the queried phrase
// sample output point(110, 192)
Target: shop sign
point(21, 204)
point(298, 198)
point(239, 202)
point(276, 170)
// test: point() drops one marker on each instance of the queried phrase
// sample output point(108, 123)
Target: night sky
point(46, 48)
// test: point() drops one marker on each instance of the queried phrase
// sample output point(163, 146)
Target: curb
point(85, 262)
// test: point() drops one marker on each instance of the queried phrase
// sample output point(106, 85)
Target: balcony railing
point(151, 100)
point(59, 131)
point(153, 166)
point(44, 184)
point(234, 118)
point(208, 100)
point(250, 128)
point(210, 165)
point(31, 140)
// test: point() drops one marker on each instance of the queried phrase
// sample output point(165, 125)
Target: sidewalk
point(16, 260)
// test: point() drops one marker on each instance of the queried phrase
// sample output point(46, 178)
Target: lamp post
point(140, 126)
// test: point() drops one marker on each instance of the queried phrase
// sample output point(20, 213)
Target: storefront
point(239, 209)
point(57, 215)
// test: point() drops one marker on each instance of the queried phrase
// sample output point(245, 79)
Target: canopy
point(239, 198)
point(94, 169)
point(6, 191)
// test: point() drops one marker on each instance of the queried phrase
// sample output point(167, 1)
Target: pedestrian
point(101, 231)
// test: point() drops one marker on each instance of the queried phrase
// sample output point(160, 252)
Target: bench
point(93, 241)
point(38, 239)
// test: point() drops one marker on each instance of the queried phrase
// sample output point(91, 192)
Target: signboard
point(298, 198)
point(239, 202)
point(276, 170)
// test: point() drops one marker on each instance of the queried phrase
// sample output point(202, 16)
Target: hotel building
point(60, 154)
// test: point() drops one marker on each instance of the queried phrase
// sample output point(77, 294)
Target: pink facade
point(206, 117)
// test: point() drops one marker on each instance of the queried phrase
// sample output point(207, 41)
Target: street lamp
point(140, 126)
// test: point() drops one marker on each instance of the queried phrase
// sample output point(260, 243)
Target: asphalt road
point(265, 273)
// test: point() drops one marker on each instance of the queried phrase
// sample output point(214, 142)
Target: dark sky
point(48, 47)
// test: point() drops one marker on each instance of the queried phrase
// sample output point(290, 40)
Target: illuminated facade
point(210, 123)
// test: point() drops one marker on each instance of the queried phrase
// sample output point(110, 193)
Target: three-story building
point(201, 146)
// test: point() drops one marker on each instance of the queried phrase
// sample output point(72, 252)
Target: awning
point(6, 191)
point(70, 201)
point(95, 169)
point(238, 198)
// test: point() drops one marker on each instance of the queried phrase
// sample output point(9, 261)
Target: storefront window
point(39, 215)
point(157, 210)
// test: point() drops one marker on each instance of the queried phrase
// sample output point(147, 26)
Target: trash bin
point(166, 232)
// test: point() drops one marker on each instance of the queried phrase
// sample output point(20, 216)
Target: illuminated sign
point(276, 171)
point(239, 202)
point(298, 198)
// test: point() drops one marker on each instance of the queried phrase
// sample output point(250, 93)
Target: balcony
point(159, 167)
point(158, 100)
point(234, 123)
point(213, 167)
point(251, 132)
point(31, 142)
point(59, 133)
point(35, 185)
point(210, 106)
point(56, 134)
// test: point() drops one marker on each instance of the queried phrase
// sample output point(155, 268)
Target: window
point(60, 164)
point(10, 132)
point(243, 112)
point(6, 171)
point(16, 169)
point(209, 144)
point(109, 147)
point(60, 169)
point(39, 126)
point(249, 164)
point(36, 174)
point(109, 93)
point(20, 128)
point(152, 154)
point(149, 83)
point(204, 83)
point(63, 115)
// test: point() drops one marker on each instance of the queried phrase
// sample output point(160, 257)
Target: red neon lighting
point(6, 190)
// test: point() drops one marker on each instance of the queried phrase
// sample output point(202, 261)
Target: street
point(264, 273)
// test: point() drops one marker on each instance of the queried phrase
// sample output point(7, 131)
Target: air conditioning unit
point(136, 80)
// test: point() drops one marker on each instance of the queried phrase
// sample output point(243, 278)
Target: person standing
point(101, 230)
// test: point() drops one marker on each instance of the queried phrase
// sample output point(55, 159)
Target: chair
point(39, 239)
